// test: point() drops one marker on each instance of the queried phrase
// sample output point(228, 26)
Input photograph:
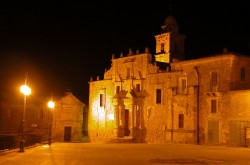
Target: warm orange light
point(25, 89)
point(51, 104)
point(111, 117)
point(101, 116)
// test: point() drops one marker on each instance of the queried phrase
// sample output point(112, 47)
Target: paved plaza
point(126, 154)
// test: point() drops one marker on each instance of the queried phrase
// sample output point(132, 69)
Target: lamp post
point(51, 105)
point(25, 89)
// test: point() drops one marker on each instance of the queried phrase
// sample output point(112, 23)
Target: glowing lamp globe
point(25, 89)
point(51, 104)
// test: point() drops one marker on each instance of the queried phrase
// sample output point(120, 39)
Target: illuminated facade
point(171, 100)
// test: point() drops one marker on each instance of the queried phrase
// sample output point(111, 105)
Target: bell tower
point(169, 44)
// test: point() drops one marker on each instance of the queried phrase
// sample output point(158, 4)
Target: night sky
point(62, 44)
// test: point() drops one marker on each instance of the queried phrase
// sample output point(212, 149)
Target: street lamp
point(25, 89)
point(51, 105)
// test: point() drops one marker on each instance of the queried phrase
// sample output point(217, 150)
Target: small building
point(68, 119)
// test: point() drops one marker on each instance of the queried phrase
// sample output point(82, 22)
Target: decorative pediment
point(133, 93)
point(140, 94)
point(121, 94)
point(69, 98)
point(212, 94)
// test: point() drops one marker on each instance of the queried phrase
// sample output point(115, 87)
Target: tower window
point(162, 47)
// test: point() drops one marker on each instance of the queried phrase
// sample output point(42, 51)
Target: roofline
point(211, 57)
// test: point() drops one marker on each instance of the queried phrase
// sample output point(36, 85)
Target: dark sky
point(61, 44)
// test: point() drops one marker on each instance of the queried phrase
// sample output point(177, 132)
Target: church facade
point(68, 119)
point(170, 99)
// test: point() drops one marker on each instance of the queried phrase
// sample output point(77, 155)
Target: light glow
point(101, 115)
point(25, 89)
point(51, 104)
point(111, 117)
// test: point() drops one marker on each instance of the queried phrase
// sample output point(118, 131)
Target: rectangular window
point(138, 88)
point(162, 47)
point(183, 86)
point(242, 74)
point(102, 100)
point(213, 106)
point(158, 96)
point(117, 89)
point(214, 81)
point(181, 121)
point(128, 72)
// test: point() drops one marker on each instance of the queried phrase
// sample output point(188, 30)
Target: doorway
point(213, 132)
point(126, 123)
point(67, 134)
